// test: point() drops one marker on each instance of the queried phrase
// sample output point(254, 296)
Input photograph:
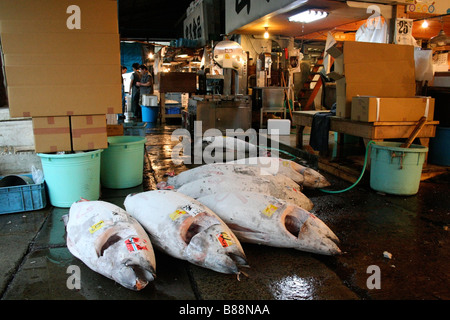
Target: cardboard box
point(79, 58)
point(42, 101)
point(30, 16)
point(60, 43)
point(52, 134)
point(89, 132)
point(371, 109)
point(114, 130)
point(374, 69)
point(68, 75)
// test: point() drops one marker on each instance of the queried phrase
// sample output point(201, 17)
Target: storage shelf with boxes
point(61, 62)
point(372, 69)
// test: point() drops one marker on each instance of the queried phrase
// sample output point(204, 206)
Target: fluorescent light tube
point(308, 16)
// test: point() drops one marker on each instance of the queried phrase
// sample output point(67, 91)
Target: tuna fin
point(65, 219)
point(235, 227)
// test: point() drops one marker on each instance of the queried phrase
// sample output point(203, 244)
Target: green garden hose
point(357, 181)
point(337, 191)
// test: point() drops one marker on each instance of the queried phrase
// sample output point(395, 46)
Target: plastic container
point(173, 110)
point(13, 180)
point(134, 129)
point(282, 125)
point(396, 170)
point(149, 100)
point(70, 177)
point(20, 193)
point(149, 114)
point(122, 164)
point(440, 147)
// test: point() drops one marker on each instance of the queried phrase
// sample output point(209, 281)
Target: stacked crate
point(62, 65)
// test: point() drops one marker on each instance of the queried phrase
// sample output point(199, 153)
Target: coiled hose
point(336, 191)
point(362, 173)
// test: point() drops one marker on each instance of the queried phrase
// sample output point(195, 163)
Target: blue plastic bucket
point(149, 114)
point(122, 164)
point(70, 177)
point(440, 147)
point(396, 170)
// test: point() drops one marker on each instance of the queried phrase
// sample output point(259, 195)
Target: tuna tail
point(65, 219)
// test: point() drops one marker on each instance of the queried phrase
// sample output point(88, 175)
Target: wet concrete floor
point(413, 229)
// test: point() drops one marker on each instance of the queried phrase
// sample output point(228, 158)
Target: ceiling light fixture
point(425, 24)
point(441, 39)
point(266, 34)
point(308, 16)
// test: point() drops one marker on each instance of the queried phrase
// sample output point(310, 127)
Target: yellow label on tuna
point(269, 210)
point(178, 213)
point(96, 226)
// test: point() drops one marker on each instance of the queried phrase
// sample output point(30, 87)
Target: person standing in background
point(135, 92)
point(124, 70)
point(146, 83)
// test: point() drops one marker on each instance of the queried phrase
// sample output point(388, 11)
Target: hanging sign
point(403, 31)
point(194, 24)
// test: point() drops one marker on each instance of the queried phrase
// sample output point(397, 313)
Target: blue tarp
point(130, 52)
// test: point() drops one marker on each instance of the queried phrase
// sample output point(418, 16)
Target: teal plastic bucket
point(70, 177)
point(122, 164)
point(149, 114)
point(396, 170)
point(440, 147)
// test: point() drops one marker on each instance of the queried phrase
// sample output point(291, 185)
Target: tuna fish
point(186, 229)
point(302, 175)
point(228, 143)
point(111, 242)
point(263, 219)
point(221, 169)
point(277, 186)
point(224, 148)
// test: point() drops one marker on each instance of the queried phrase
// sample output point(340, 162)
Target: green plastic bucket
point(396, 170)
point(123, 162)
point(70, 177)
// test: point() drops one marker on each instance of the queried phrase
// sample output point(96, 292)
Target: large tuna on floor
point(263, 219)
point(277, 186)
point(186, 229)
point(304, 176)
point(111, 242)
point(220, 169)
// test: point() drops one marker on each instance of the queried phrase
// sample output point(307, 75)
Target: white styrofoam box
point(283, 125)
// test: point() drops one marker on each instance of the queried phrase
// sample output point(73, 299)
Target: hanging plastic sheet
point(326, 58)
point(373, 30)
point(424, 64)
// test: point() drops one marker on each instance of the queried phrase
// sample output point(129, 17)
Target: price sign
point(403, 31)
